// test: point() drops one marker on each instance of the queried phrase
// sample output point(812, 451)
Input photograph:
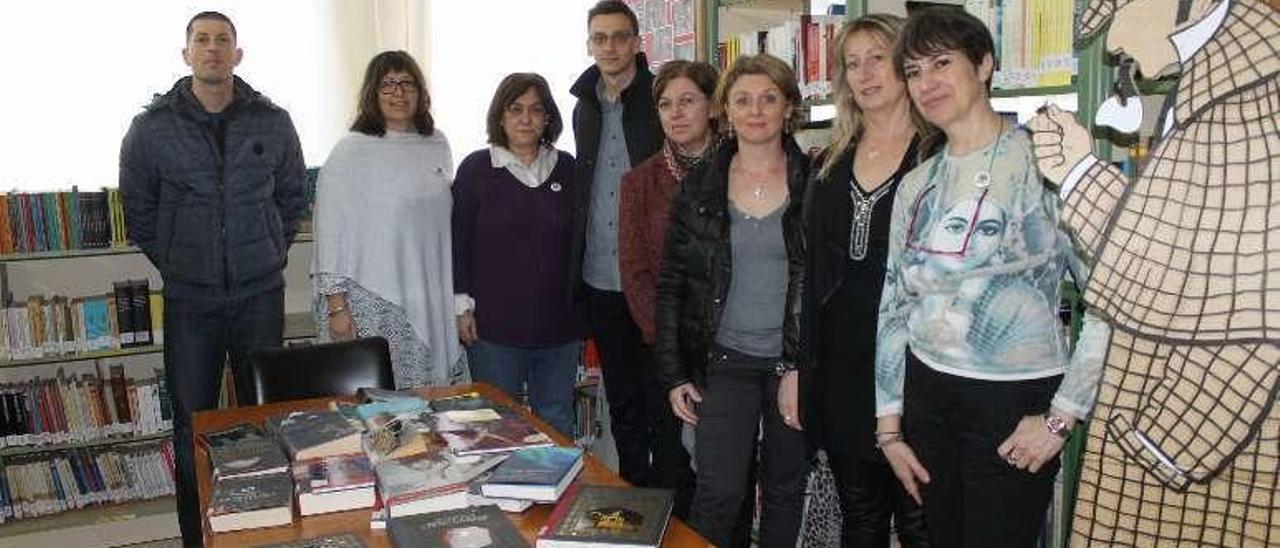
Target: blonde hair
point(847, 128)
point(763, 64)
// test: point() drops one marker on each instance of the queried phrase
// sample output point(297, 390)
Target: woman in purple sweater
point(511, 233)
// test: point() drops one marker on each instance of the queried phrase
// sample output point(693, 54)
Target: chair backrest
point(294, 373)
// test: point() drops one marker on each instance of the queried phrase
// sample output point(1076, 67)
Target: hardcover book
point(540, 474)
point(345, 540)
point(313, 434)
point(333, 484)
point(469, 400)
point(508, 433)
point(473, 526)
point(597, 515)
point(252, 502)
point(428, 482)
point(243, 450)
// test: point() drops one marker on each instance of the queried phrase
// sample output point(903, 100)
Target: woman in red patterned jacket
point(682, 91)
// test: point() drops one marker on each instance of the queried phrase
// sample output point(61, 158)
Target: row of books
point(48, 483)
point(806, 43)
point(1034, 41)
point(130, 316)
point(89, 407)
point(61, 221)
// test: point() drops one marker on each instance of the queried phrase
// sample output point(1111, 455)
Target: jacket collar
point(715, 190)
point(585, 87)
point(1240, 53)
point(181, 97)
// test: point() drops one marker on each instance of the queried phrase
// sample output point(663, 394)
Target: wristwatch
point(1057, 425)
point(781, 368)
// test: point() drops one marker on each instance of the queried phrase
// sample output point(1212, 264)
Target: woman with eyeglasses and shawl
point(383, 262)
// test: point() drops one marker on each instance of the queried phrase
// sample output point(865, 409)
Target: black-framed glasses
point(389, 86)
point(620, 37)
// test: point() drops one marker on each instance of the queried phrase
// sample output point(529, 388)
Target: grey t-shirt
point(757, 300)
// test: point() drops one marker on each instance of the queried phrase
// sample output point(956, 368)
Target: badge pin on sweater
point(555, 186)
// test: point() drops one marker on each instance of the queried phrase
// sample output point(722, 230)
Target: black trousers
point(741, 397)
point(870, 498)
point(645, 431)
point(198, 338)
point(954, 424)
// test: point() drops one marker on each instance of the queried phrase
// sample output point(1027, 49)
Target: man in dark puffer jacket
point(214, 186)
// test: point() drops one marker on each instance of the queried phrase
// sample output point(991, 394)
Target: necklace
point(758, 193)
point(982, 179)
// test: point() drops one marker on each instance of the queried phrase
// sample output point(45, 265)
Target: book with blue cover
point(540, 474)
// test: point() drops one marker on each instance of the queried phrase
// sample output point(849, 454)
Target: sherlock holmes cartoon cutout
point(1183, 444)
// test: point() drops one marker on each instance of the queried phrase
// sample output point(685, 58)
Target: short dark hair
point(610, 7)
point(702, 74)
point(369, 120)
point(214, 15)
point(511, 88)
point(936, 29)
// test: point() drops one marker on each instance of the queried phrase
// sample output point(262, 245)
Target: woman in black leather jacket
point(728, 300)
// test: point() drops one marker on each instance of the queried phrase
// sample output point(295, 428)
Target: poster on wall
point(668, 29)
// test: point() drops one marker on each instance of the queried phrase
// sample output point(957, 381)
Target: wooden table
point(357, 521)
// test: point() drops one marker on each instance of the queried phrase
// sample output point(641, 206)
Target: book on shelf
point(471, 526)
point(251, 503)
point(43, 483)
point(597, 515)
point(428, 482)
point(1033, 41)
point(333, 484)
point(344, 540)
point(243, 450)
point(90, 407)
point(313, 434)
point(57, 326)
point(804, 42)
point(540, 474)
point(60, 221)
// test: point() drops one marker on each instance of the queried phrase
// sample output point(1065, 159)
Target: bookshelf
point(78, 437)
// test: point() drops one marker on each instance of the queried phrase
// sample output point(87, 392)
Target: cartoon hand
point(1059, 142)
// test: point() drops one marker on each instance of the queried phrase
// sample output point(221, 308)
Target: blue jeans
point(549, 371)
point(199, 338)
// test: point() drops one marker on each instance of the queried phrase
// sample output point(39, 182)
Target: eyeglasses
point(516, 110)
point(389, 86)
point(683, 102)
point(599, 39)
point(744, 102)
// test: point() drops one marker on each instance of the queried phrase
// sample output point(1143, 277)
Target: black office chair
point(282, 374)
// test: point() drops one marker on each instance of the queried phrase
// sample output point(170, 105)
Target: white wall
point(79, 70)
point(475, 44)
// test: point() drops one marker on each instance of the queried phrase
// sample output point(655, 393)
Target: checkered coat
point(1184, 442)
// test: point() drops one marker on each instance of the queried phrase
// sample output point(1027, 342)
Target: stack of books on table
point(251, 485)
point(437, 473)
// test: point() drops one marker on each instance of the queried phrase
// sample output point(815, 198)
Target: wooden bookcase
point(79, 273)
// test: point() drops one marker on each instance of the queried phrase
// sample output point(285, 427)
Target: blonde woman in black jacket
point(728, 300)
